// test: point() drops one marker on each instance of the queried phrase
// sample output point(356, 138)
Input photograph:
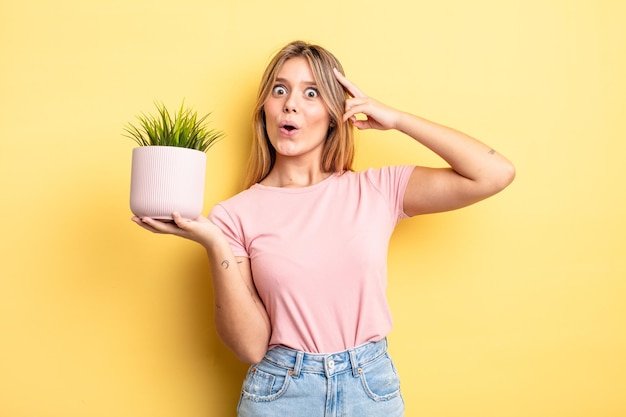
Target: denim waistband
point(296, 361)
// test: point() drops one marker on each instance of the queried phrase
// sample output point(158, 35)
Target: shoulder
point(233, 206)
point(240, 198)
point(397, 175)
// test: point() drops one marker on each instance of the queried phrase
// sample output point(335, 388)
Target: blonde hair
point(338, 152)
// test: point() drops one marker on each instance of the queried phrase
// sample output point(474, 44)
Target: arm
point(240, 317)
point(476, 170)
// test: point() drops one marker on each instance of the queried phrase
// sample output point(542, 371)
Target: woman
point(298, 259)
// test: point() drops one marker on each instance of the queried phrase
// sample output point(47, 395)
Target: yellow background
point(514, 307)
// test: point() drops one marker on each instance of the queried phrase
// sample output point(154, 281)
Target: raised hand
point(377, 115)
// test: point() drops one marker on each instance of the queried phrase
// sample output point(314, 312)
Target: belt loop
point(298, 365)
point(354, 363)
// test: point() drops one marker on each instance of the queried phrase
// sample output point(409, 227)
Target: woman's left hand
point(377, 115)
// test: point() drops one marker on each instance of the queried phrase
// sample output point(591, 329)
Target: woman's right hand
point(201, 229)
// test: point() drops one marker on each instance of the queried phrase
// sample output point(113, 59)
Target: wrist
point(404, 122)
point(217, 246)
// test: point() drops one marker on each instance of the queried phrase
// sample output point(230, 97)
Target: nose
point(290, 104)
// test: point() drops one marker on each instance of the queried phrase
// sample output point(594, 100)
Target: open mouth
point(288, 127)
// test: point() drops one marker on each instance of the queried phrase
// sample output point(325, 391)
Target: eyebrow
point(284, 80)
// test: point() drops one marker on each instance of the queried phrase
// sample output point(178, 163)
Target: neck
point(294, 175)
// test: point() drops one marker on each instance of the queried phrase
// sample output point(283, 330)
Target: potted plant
point(168, 167)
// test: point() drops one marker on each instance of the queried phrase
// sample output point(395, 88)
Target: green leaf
point(184, 130)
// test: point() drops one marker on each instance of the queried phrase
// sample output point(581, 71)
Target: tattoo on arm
point(226, 264)
point(492, 152)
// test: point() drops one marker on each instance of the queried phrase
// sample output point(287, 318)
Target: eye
point(311, 92)
point(279, 90)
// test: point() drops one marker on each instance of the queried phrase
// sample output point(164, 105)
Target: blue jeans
point(359, 382)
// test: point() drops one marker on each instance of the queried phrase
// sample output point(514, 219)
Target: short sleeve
point(231, 228)
point(391, 182)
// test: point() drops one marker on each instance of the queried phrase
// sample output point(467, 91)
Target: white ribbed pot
point(165, 179)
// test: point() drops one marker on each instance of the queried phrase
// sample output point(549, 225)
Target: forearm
point(240, 317)
point(467, 156)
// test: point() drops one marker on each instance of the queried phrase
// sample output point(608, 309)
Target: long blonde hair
point(338, 152)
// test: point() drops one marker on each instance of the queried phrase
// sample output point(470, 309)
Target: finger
point(158, 226)
point(144, 225)
point(353, 103)
point(354, 107)
point(352, 89)
point(362, 124)
point(180, 222)
point(176, 217)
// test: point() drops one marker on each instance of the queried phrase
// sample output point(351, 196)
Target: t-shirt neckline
point(296, 190)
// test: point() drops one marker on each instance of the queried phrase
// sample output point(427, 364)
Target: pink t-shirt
point(319, 255)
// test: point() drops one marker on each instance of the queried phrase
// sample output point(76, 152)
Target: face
point(296, 117)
